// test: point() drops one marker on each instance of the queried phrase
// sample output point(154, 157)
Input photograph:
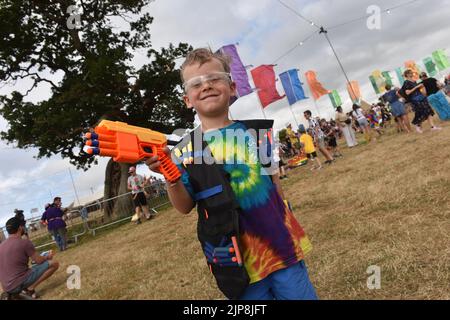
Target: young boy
point(272, 244)
point(307, 143)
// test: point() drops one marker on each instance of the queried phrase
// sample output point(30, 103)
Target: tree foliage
point(89, 71)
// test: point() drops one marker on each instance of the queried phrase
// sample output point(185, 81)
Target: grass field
point(385, 203)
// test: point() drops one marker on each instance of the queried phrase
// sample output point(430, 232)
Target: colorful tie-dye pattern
point(271, 237)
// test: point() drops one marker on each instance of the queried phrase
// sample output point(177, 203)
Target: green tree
point(95, 78)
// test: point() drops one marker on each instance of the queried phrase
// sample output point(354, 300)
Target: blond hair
point(407, 72)
point(203, 55)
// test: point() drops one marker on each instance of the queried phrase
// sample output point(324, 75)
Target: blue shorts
point(291, 283)
point(36, 272)
point(398, 109)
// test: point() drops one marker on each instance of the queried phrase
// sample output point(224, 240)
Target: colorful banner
point(292, 86)
point(378, 81)
point(335, 98)
point(410, 64)
point(430, 66)
point(387, 78)
point(317, 90)
point(264, 79)
point(441, 59)
point(354, 91)
point(374, 84)
point(238, 71)
point(399, 72)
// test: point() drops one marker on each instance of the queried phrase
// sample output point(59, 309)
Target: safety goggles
point(213, 78)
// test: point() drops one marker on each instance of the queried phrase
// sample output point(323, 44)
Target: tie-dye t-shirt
point(271, 237)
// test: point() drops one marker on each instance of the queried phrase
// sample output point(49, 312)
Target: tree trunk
point(116, 180)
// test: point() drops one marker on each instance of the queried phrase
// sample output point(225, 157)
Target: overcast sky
point(265, 30)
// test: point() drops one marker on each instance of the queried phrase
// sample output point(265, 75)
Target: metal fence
point(93, 217)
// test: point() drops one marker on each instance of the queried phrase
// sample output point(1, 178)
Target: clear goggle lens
point(212, 78)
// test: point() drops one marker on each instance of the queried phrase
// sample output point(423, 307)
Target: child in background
point(374, 121)
point(307, 143)
point(330, 131)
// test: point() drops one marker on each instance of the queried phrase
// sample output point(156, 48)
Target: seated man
point(15, 252)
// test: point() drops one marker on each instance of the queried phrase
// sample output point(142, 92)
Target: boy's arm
point(178, 194)
point(180, 197)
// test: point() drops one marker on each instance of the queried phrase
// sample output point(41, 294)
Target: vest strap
point(208, 192)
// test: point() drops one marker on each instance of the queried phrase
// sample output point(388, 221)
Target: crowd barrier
point(92, 217)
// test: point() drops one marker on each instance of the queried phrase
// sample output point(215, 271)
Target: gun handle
point(168, 168)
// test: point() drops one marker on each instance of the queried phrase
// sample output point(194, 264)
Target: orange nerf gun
point(130, 144)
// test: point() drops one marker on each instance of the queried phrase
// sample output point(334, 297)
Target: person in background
point(432, 86)
point(136, 184)
point(318, 136)
point(436, 96)
point(375, 121)
point(294, 139)
point(19, 215)
point(422, 110)
point(345, 123)
point(398, 107)
point(307, 143)
point(15, 275)
point(385, 115)
point(53, 218)
point(277, 157)
point(361, 120)
point(330, 137)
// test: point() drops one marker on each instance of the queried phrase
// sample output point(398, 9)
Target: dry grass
point(384, 204)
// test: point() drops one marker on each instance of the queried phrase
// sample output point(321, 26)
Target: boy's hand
point(153, 163)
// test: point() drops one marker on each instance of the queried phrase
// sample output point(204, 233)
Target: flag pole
point(293, 114)
point(260, 105)
point(317, 109)
point(264, 113)
point(313, 99)
point(325, 33)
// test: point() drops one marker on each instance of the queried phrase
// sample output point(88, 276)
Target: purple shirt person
point(53, 217)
